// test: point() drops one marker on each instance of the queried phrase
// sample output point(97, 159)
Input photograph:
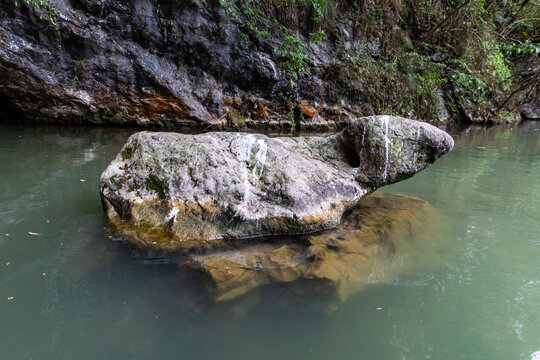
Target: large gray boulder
point(175, 191)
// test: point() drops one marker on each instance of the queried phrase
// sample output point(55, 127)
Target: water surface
point(73, 293)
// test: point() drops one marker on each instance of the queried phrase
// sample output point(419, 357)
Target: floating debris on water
point(156, 261)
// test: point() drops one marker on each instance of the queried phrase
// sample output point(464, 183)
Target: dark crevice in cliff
point(8, 111)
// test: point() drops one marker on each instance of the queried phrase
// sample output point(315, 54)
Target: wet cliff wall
point(263, 64)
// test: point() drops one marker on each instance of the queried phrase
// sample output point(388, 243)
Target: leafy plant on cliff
point(265, 17)
point(406, 86)
point(460, 46)
point(50, 11)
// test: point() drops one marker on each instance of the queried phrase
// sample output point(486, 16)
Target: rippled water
point(72, 293)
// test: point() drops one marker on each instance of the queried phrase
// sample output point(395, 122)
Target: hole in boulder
point(351, 157)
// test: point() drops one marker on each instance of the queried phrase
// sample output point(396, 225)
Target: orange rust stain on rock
point(310, 112)
point(202, 210)
point(163, 105)
point(3, 39)
point(307, 110)
point(261, 110)
point(234, 102)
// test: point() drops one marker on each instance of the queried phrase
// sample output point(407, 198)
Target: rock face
point(190, 63)
point(141, 62)
point(531, 110)
point(373, 244)
point(174, 191)
point(528, 66)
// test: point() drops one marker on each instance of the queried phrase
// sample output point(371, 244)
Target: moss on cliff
point(414, 58)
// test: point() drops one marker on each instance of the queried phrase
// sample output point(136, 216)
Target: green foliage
point(42, 4)
point(259, 19)
point(292, 118)
point(317, 37)
point(405, 86)
point(506, 117)
point(294, 60)
point(482, 76)
point(322, 10)
point(467, 86)
point(154, 183)
point(497, 67)
point(514, 48)
point(473, 40)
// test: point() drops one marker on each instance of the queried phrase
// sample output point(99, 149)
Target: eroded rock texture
point(175, 191)
point(147, 63)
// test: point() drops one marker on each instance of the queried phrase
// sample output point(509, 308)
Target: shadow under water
point(376, 242)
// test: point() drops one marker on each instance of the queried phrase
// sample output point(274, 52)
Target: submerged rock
point(174, 191)
point(375, 242)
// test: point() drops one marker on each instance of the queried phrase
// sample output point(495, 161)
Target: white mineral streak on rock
point(270, 63)
point(362, 148)
point(384, 120)
point(364, 136)
point(419, 130)
point(214, 141)
point(260, 162)
point(246, 147)
point(171, 215)
point(260, 159)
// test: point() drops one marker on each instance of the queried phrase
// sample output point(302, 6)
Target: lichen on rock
point(179, 192)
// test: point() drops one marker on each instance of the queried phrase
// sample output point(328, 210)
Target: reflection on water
point(71, 292)
point(375, 243)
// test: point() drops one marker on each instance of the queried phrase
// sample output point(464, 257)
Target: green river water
point(73, 293)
